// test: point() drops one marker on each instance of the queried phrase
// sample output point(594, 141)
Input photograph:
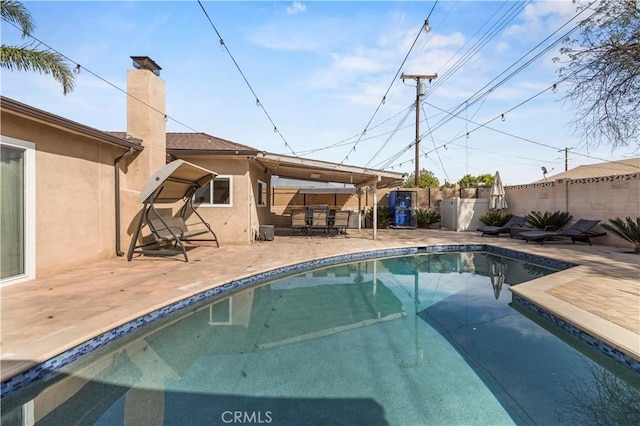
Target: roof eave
point(19, 109)
point(250, 153)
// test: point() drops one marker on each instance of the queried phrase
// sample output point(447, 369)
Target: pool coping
point(50, 366)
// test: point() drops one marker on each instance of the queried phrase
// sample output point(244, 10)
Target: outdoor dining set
point(320, 218)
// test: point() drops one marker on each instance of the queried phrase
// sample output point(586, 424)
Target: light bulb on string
point(503, 118)
point(384, 100)
point(554, 89)
point(467, 135)
point(427, 27)
point(257, 102)
point(275, 130)
point(76, 70)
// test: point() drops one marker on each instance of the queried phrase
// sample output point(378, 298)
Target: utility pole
point(419, 92)
point(566, 158)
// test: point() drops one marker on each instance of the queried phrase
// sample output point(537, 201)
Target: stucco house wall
point(75, 192)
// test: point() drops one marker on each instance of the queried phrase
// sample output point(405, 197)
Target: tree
point(23, 58)
point(602, 66)
point(426, 180)
point(468, 180)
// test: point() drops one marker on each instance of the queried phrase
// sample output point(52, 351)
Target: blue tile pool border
point(56, 363)
point(590, 340)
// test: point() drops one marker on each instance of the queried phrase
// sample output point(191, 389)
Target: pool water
point(427, 339)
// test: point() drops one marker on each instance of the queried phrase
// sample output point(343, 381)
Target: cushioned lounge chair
point(579, 231)
point(497, 230)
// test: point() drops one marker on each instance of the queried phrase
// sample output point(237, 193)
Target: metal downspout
point(116, 165)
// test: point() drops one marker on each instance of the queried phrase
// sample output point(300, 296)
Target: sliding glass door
point(16, 222)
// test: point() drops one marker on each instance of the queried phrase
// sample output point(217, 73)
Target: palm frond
point(15, 13)
point(627, 229)
point(45, 62)
point(548, 220)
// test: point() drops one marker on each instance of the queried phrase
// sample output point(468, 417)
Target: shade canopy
point(322, 171)
point(497, 199)
point(175, 181)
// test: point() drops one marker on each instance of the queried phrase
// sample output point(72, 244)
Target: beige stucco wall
point(75, 194)
point(231, 223)
point(589, 198)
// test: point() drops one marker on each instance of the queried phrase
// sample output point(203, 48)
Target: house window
point(216, 193)
point(17, 210)
point(262, 193)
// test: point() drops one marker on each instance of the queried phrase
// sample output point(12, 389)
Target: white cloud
point(295, 8)
point(502, 47)
point(541, 18)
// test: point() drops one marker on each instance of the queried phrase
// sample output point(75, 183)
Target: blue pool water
point(425, 339)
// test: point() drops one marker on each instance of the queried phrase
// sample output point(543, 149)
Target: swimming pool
point(418, 339)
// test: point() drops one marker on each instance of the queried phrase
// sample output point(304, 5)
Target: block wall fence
point(587, 198)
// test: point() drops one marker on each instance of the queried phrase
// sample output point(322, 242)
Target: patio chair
point(299, 221)
point(515, 221)
point(341, 221)
point(319, 219)
point(579, 231)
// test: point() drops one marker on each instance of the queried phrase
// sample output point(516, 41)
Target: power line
point(79, 67)
point(425, 26)
point(258, 103)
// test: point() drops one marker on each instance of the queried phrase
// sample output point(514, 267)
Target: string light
point(275, 130)
point(257, 102)
point(554, 89)
point(427, 27)
point(503, 118)
point(467, 135)
point(76, 70)
point(384, 100)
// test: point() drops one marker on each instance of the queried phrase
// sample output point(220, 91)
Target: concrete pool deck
point(51, 314)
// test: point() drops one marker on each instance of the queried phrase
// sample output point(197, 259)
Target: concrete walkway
point(47, 316)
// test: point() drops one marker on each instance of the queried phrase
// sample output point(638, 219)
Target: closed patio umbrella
point(497, 199)
point(498, 270)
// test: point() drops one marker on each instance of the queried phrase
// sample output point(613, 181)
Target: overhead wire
point(244, 77)
point(511, 75)
point(393, 81)
point(80, 67)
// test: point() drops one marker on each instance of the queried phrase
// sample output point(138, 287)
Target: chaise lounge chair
point(515, 221)
point(579, 231)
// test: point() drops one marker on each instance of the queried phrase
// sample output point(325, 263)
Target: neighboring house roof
point(609, 168)
point(14, 107)
point(204, 144)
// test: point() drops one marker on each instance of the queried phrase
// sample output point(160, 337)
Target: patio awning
point(324, 171)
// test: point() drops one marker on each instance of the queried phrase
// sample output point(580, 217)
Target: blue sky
point(320, 70)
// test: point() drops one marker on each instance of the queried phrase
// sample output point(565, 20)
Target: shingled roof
point(202, 143)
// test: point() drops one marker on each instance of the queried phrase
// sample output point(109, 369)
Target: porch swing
point(175, 182)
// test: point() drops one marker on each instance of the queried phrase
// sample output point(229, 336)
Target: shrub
point(426, 217)
point(548, 221)
point(628, 230)
point(495, 218)
point(384, 216)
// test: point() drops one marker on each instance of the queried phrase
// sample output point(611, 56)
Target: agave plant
point(628, 230)
point(426, 217)
point(547, 220)
point(495, 218)
point(384, 216)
